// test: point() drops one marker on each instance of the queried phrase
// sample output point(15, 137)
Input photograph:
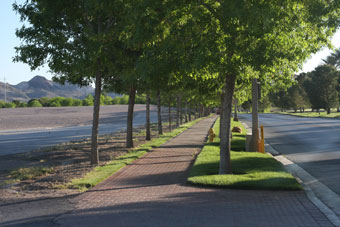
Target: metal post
point(254, 143)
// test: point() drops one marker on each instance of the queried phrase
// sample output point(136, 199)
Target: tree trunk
point(338, 109)
point(95, 123)
point(225, 143)
point(199, 111)
point(328, 110)
point(170, 119)
point(235, 112)
point(189, 112)
point(180, 111)
point(148, 129)
point(159, 113)
point(129, 131)
point(186, 112)
point(177, 114)
point(254, 142)
point(196, 112)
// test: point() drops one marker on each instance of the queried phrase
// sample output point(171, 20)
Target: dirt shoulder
point(40, 199)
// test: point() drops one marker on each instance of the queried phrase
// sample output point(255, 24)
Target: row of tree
point(198, 52)
point(318, 89)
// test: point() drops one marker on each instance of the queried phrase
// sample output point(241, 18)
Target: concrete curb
point(319, 194)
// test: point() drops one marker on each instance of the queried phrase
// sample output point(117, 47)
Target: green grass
point(30, 173)
point(250, 170)
point(100, 173)
point(314, 114)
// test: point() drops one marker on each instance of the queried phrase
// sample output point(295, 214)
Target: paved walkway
point(152, 192)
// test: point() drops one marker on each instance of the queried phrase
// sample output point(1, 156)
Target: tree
point(323, 87)
point(77, 39)
point(225, 37)
point(333, 59)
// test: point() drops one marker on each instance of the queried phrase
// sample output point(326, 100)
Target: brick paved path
point(152, 192)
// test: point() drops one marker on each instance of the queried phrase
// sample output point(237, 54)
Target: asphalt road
point(27, 129)
point(311, 143)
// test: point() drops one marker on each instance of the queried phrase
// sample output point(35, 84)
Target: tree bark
point(225, 143)
point(328, 110)
point(254, 142)
point(95, 123)
point(178, 113)
point(186, 112)
point(189, 112)
point(235, 112)
point(148, 130)
point(159, 113)
point(129, 135)
point(170, 117)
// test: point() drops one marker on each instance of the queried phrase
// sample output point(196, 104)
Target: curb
point(319, 194)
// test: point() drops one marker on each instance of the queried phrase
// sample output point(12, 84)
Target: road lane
point(25, 140)
point(312, 143)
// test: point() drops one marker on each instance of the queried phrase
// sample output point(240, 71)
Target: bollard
point(211, 135)
point(261, 141)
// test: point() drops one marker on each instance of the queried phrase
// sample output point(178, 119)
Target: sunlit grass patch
point(30, 173)
point(250, 170)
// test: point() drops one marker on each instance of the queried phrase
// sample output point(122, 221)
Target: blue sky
point(18, 72)
point(14, 72)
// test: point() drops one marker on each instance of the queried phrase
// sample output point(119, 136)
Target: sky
point(18, 72)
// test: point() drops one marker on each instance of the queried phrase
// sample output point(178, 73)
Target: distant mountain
point(39, 87)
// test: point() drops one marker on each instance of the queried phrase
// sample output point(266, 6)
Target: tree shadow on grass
point(241, 165)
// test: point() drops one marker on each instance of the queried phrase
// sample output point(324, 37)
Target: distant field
point(49, 117)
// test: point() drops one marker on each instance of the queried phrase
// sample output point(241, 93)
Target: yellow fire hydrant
point(211, 135)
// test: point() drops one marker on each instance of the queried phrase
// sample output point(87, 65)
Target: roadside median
point(250, 170)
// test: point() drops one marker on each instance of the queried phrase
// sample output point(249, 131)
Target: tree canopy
point(211, 48)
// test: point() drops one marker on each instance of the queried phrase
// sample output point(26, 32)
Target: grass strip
point(100, 173)
point(30, 172)
point(313, 114)
point(250, 170)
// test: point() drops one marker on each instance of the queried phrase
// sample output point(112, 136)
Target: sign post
point(254, 143)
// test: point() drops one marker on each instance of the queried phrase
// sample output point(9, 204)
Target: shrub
point(45, 101)
point(55, 103)
point(140, 99)
point(9, 105)
point(67, 102)
point(77, 102)
point(34, 103)
point(108, 100)
point(115, 100)
point(22, 104)
point(18, 103)
point(124, 99)
point(88, 101)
